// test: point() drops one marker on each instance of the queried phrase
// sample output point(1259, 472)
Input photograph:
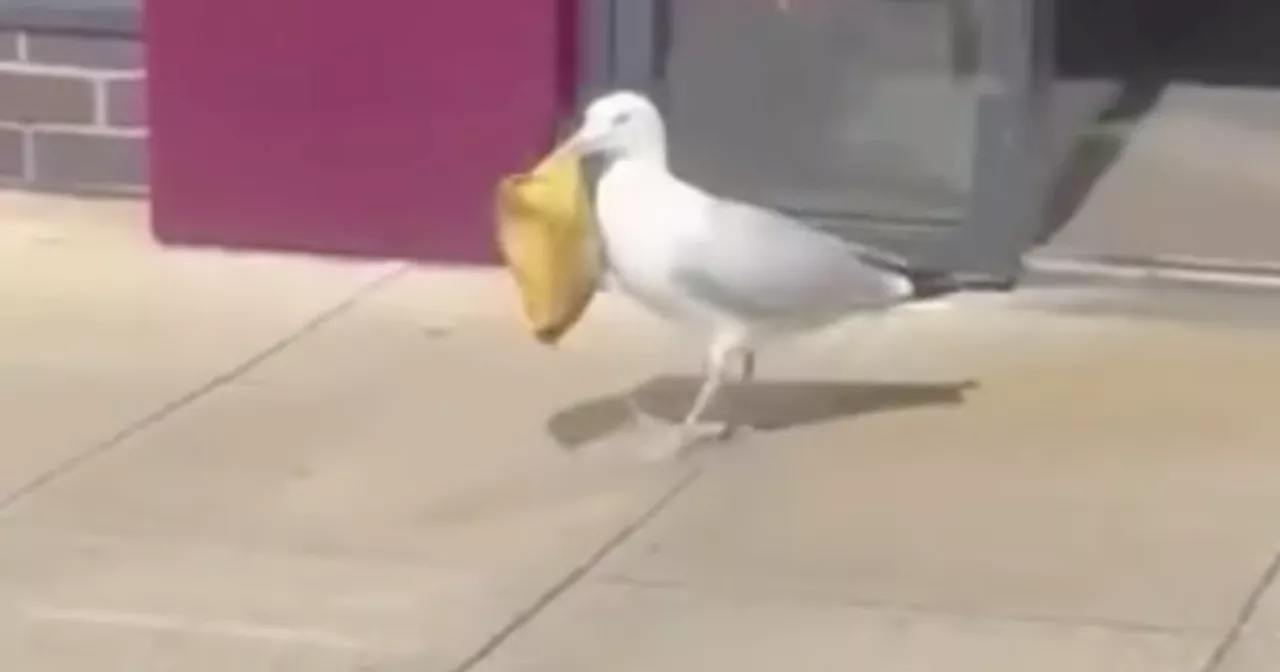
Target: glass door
point(909, 123)
point(842, 109)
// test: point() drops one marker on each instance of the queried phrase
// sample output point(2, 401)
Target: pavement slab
point(1128, 477)
point(379, 493)
point(103, 330)
point(372, 467)
point(626, 628)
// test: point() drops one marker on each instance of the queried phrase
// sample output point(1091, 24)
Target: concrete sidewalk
point(242, 462)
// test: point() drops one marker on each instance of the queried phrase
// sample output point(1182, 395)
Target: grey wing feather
point(764, 264)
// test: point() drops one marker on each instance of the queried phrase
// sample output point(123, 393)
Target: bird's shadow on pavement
point(763, 405)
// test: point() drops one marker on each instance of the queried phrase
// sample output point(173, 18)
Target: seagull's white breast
point(647, 219)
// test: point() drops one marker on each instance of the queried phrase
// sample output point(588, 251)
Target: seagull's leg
point(748, 365)
point(747, 373)
point(716, 370)
point(706, 394)
point(719, 357)
point(691, 430)
point(714, 373)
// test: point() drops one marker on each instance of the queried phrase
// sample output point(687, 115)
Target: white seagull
point(741, 273)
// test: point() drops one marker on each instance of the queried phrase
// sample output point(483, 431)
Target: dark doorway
point(1177, 167)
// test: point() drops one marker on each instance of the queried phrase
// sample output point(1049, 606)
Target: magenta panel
point(371, 128)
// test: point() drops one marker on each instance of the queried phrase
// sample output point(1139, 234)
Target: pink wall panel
point(372, 128)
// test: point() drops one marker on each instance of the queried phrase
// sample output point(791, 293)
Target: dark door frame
point(623, 45)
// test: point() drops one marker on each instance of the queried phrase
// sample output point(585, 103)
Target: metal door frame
point(623, 44)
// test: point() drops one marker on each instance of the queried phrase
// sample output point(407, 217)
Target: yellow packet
point(548, 238)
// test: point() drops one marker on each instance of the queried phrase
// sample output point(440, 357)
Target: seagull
point(741, 274)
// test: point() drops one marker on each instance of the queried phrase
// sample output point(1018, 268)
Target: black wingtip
point(933, 284)
point(928, 283)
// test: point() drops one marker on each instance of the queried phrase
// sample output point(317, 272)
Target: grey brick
point(126, 103)
point(33, 97)
point(86, 52)
point(8, 45)
point(89, 160)
point(12, 152)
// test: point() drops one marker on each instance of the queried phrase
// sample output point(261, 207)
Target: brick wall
point(72, 114)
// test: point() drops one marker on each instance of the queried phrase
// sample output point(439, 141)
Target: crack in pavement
point(1247, 610)
point(167, 410)
point(575, 576)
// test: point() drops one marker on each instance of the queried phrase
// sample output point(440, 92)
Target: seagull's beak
point(586, 140)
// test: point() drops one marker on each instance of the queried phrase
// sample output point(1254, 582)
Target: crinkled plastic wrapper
point(549, 241)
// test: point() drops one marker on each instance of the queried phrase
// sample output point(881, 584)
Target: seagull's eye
point(622, 118)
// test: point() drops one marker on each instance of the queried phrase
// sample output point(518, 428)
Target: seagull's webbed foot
point(678, 439)
point(668, 440)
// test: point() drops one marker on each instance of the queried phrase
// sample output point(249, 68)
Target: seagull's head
point(624, 124)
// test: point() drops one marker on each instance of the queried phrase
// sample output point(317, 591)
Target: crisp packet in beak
point(548, 238)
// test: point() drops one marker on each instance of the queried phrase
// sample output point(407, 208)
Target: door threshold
point(1222, 273)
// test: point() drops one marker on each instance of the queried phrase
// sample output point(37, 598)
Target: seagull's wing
point(762, 264)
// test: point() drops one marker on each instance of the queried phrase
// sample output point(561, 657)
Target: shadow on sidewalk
point(763, 405)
